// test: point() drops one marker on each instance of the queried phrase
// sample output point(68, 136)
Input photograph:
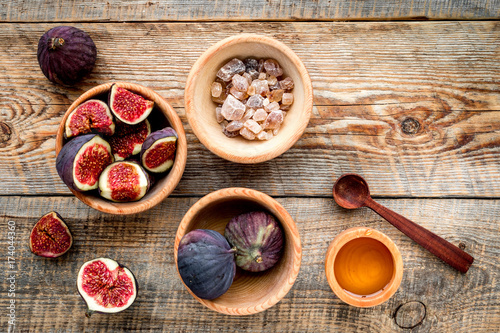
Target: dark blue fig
point(158, 150)
point(81, 161)
point(258, 239)
point(66, 54)
point(206, 263)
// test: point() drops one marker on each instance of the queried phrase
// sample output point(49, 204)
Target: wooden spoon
point(351, 191)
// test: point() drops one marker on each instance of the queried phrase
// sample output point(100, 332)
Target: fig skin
point(66, 158)
point(134, 103)
point(50, 236)
point(206, 264)
point(66, 54)
point(170, 135)
point(258, 239)
point(92, 306)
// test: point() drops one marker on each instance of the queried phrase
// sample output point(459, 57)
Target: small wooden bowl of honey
point(363, 267)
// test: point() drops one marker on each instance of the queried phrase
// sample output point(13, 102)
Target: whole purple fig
point(66, 54)
point(258, 239)
point(205, 262)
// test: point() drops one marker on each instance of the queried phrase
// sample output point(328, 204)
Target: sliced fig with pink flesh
point(106, 286)
point(128, 139)
point(50, 237)
point(258, 239)
point(127, 106)
point(158, 150)
point(81, 161)
point(124, 181)
point(93, 115)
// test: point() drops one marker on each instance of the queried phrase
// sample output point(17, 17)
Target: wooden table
point(407, 94)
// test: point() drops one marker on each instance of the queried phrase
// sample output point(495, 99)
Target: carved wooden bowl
point(371, 300)
point(250, 292)
point(162, 112)
point(200, 110)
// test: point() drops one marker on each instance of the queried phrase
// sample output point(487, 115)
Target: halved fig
point(158, 150)
point(50, 237)
point(81, 161)
point(93, 115)
point(205, 262)
point(123, 181)
point(129, 107)
point(128, 139)
point(106, 286)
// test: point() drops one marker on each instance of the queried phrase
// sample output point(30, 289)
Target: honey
point(363, 266)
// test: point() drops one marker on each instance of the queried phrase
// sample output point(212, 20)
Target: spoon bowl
point(351, 191)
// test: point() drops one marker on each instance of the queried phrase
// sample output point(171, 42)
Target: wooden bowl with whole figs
point(248, 98)
point(237, 251)
point(121, 148)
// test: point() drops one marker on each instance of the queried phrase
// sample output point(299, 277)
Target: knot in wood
point(5, 132)
point(410, 126)
point(410, 314)
point(461, 245)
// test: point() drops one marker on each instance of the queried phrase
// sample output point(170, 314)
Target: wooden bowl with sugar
point(200, 109)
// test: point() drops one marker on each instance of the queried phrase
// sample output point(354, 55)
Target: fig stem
point(89, 313)
point(56, 42)
point(258, 259)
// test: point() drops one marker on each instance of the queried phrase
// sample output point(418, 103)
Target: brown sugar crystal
point(252, 96)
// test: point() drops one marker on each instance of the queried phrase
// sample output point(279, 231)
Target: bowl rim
point(175, 173)
point(359, 232)
point(200, 64)
point(278, 211)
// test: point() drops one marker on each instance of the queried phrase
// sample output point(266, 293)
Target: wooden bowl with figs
point(249, 290)
point(121, 148)
point(229, 116)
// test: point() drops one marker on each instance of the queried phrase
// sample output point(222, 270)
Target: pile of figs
point(112, 148)
point(207, 261)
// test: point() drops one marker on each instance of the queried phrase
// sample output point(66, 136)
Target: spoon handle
point(449, 253)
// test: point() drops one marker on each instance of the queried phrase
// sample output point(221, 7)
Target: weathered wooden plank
point(237, 10)
point(368, 78)
point(47, 300)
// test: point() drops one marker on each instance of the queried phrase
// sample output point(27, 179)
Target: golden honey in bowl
point(364, 266)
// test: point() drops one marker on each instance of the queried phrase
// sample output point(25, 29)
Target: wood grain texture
point(368, 80)
point(238, 10)
point(47, 300)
